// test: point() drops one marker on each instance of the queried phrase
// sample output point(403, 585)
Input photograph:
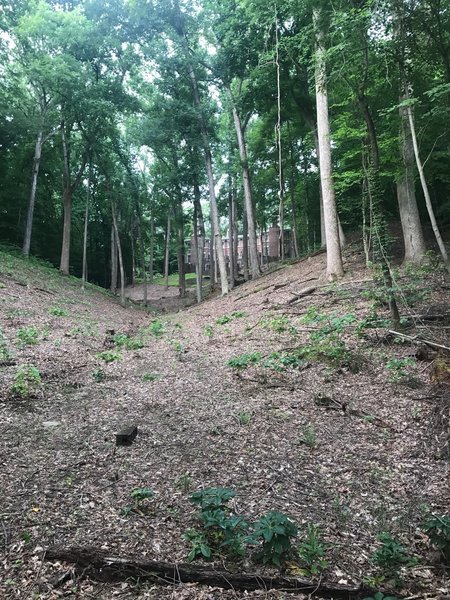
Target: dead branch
point(415, 339)
point(103, 567)
point(301, 293)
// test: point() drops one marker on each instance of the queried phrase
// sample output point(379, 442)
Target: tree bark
point(113, 286)
point(31, 204)
point(426, 193)
point(143, 267)
point(199, 241)
point(334, 258)
point(248, 199)
point(152, 249)
point(101, 566)
point(230, 234)
point(167, 253)
point(85, 232)
point(245, 246)
point(119, 252)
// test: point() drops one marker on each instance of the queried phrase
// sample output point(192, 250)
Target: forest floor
point(322, 415)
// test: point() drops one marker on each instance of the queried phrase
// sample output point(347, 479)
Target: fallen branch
point(418, 340)
point(103, 567)
point(301, 293)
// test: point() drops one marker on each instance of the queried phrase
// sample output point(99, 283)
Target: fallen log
point(101, 566)
point(414, 339)
point(301, 293)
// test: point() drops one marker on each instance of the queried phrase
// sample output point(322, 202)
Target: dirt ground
point(356, 447)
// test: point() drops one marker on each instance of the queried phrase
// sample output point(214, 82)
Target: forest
point(224, 299)
point(133, 131)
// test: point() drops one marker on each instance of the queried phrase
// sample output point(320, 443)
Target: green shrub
point(156, 328)
point(149, 377)
point(27, 381)
point(224, 319)
point(312, 551)
point(124, 341)
point(57, 311)
point(398, 369)
point(28, 336)
point(274, 531)
point(109, 356)
point(279, 325)
point(99, 375)
point(391, 556)
point(244, 360)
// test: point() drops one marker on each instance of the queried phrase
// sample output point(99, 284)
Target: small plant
point(309, 437)
point(99, 375)
point(150, 377)
point(156, 328)
point(57, 311)
point(398, 369)
point(244, 418)
point(124, 341)
point(222, 529)
point(380, 596)
point(184, 482)
point(311, 552)
point(275, 530)
point(109, 356)
point(438, 530)
point(224, 319)
point(391, 556)
point(199, 545)
point(178, 347)
point(279, 325)
point(141, 494)
point(28, 336)
point(208, 330)
point(27, 381)
point(5, 354)
point(244, 360)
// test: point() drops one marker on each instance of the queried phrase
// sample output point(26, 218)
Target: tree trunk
point(152, 249)
point(406, 195)
point(119, 252)
point(67, 225)
point(85, 232)
point(180, 253)
point(245, 246)
point(248, 199)
point(143, 268)
point(235, 232)
point(334, 259)
point(207, 153)
point(34, 178)
point(230, 235)
point(133, 258)
point(113, 286)
point(426, 193)
point(199, 240)
point(167, 254)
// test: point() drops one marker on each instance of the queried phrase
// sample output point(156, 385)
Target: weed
point(5, 354)
point(244, 418)
point(150, 377)
point(208, 330)
point(222, 530)
point(279, 325)
point(27, 381)
point(99, 375)
point(312, 550)
point(156, 328)
point(28, 336)
point(178, 347)
point(391, 556)
point(274, 530)
point(438, 530)
point(109, 356)
point(57, 311)
point(184, 482)
point(309, 436)
point(224, 319)
point(124, 341)
point(280, 361)
point(26, 537)
point(244, 360)
point(380, 596)
point(398, 369)
point(141, 494)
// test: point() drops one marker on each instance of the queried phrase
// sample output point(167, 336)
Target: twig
point(417, 340)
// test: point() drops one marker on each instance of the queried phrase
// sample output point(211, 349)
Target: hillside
point(321, 415)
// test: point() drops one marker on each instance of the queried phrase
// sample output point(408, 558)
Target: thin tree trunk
point(245, 246)
point(414, 241)
point(334, 258)
point(230, 235)
point(31, 204)
point(207, 152)
point(113, 261)
point(142, 256)
point(133, 258)
point(119, 252)
point(199, 240)
point(85, 232)
point(180, 253)
point(167, 253)
point(152, 249)
point(426, 193)
point(248, 199)
point(234, 225)
point(278, 139)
